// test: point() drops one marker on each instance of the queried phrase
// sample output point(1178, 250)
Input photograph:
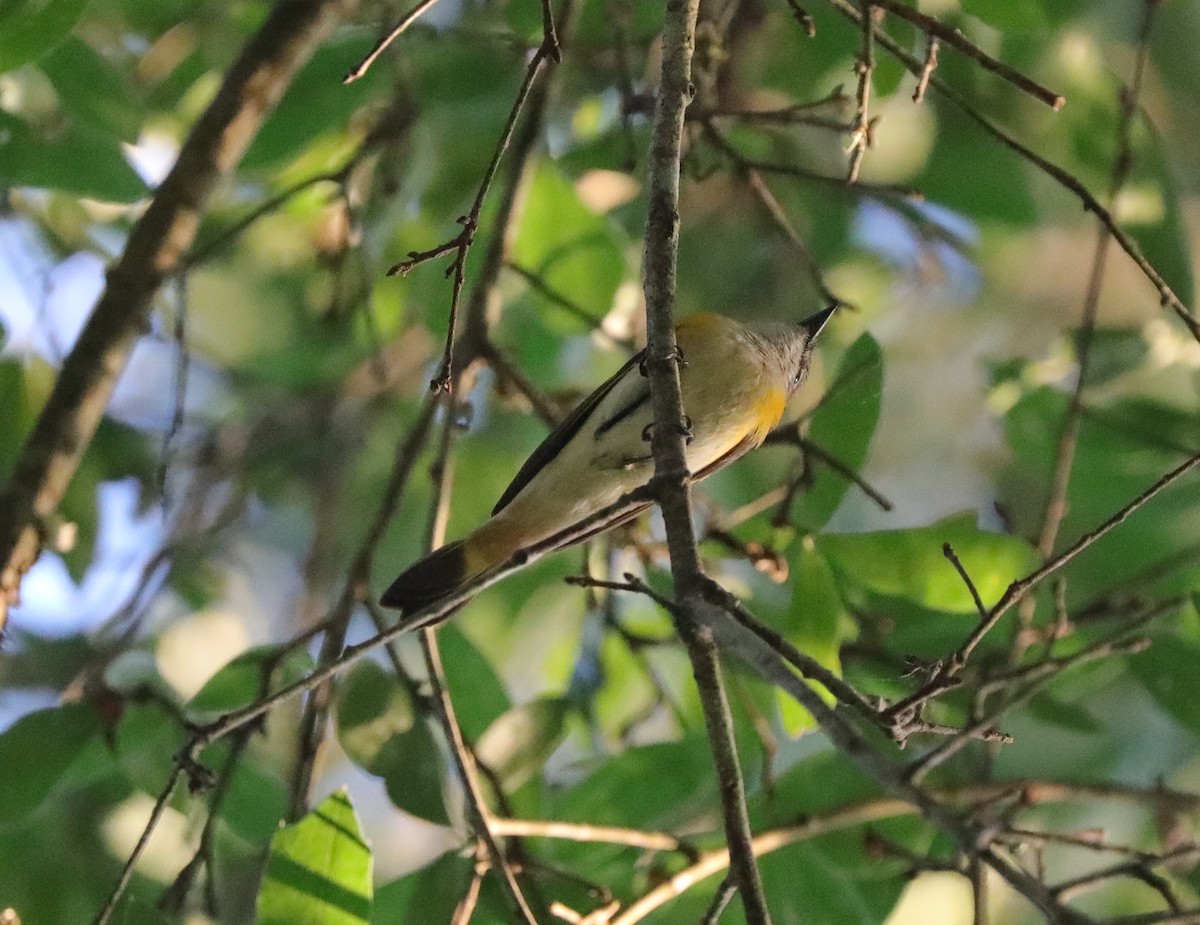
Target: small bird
point(735, 380)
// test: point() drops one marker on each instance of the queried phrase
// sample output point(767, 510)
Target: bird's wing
point(562, 434)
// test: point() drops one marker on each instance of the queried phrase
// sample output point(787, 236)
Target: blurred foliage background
point(249, 441)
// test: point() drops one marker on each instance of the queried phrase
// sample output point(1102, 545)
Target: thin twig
point(948, 552)
point(938, 30)
point(461, 243)
point(126, 875)
point(803, 17)
point(1068, 440)
point(179, 393)
point(405, 21)
point(860, 138)
point(572, 308)
point(583, 832)
point(927, 69)
point(790, 433)
point(207, 250)
point(1018, 589)
point(750, 172)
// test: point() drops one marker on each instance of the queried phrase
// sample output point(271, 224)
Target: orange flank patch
point(769, 411)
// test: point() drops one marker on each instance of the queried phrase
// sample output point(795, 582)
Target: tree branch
point(670, 483)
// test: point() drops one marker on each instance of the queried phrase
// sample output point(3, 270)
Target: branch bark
point(155, 249)
point(670, 483)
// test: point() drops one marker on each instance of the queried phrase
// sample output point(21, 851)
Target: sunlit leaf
point(909, 564)
point(319, 870)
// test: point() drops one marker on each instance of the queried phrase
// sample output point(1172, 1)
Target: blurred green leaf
point(136, 912)
point(1064, 713)
point(1124, 447)
point(315, 102)
point(1019, 15)
point(1114, 351)
point(35, 753)
point(381, 732)
point(30, 28)
point(843, 426)
point(981, 181)
point(434, 894)
point(650, 786)
point(148, 738)
point(246, 678)
point(55, 162)
point(479, 696)
point(517, 744)
point(814, 623)
point(94, 90)
point(319, 870)
point(909, 564)
point(575, 251)
point(1167, 670)
point(1154, 217)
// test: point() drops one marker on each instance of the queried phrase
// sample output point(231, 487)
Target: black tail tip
point(428, 580)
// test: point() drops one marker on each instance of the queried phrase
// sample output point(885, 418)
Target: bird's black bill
point(813, 323)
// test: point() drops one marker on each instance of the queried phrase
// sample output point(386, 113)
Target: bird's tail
point(448, 568)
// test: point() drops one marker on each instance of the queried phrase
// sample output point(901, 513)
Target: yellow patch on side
point(768, 411)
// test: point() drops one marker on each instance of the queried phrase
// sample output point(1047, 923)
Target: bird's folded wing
point(570, 426)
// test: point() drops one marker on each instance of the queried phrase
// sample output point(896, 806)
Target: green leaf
point(30, 28)
point(242, 680)
point(136, 912)
point(381, 732)
point(574, 250)
point(479, 696)
point(315, 102)
point(1065, 714)
point(651, 786)
point(812, 623)
point(319, 870)
point(55, 163)
point(517, 744)
point(979, 180)
point(148, 738)
point(1014, 15)
point(1114, 351)
point(909, 564)
point(37, 751)
point(1168, 670)
point(94, 90)
point(255, 802)
point(434, 895)
point(843, 426)
point(1159, 227)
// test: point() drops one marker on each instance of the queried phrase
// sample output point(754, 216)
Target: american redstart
point(735, 379)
